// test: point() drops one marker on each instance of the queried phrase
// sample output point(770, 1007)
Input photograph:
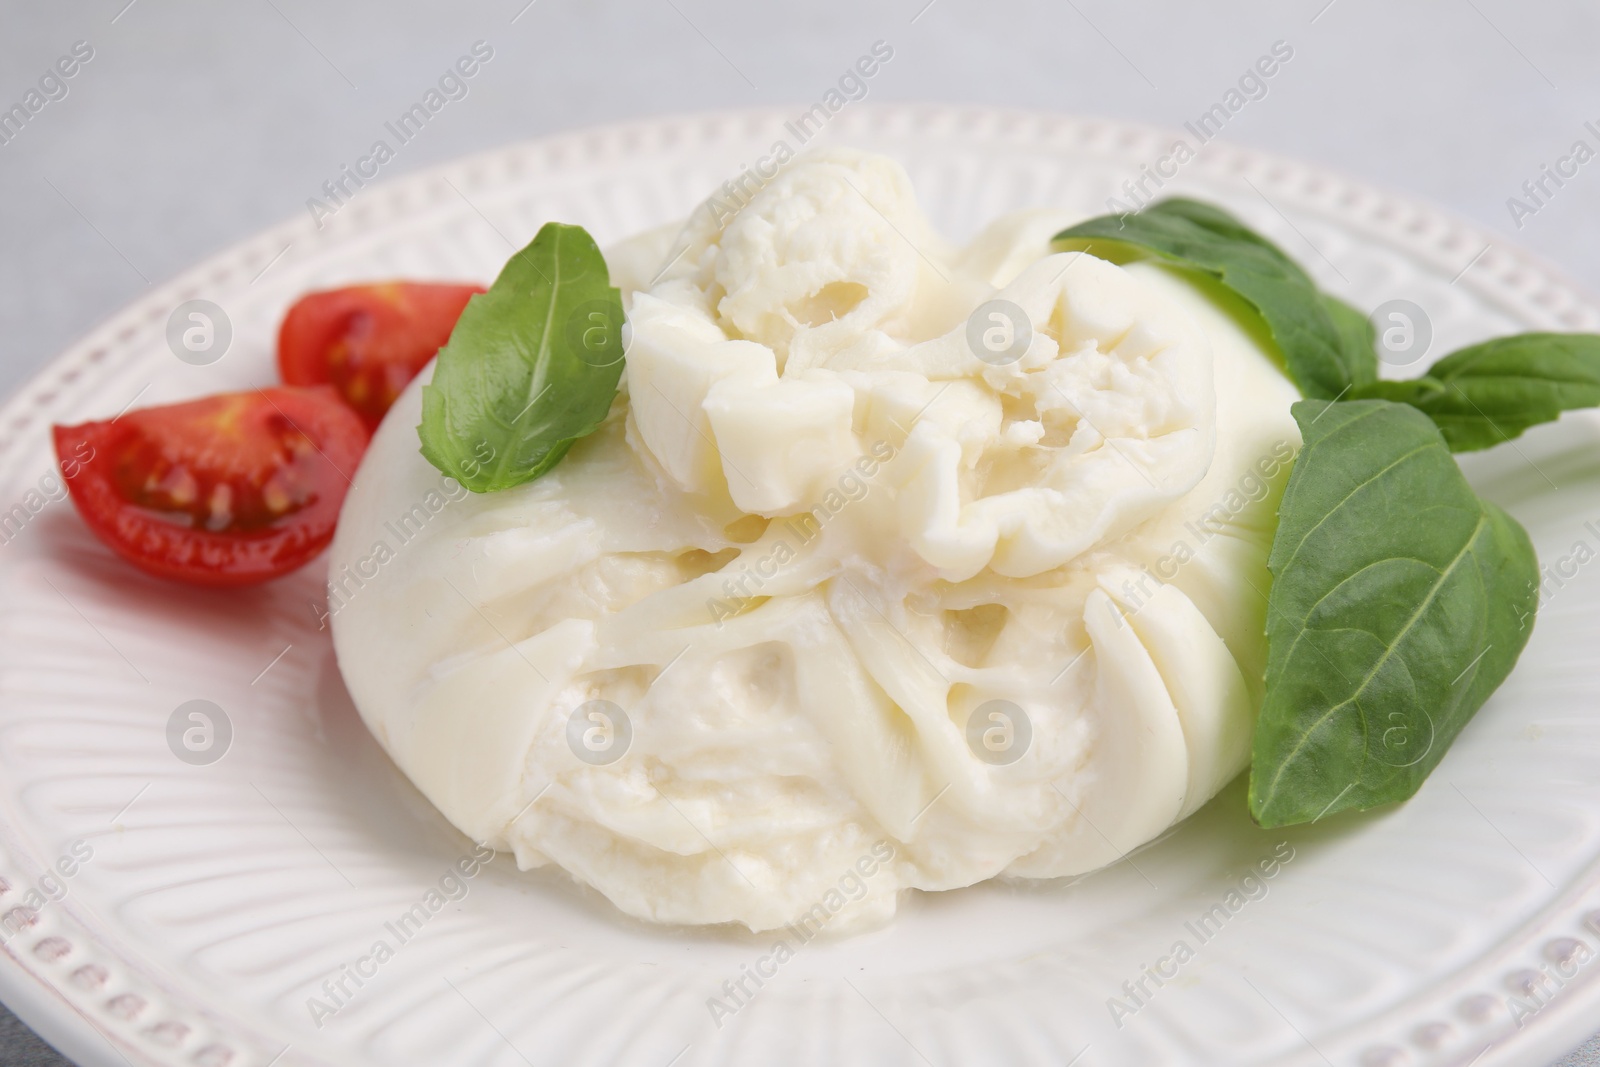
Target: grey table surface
point(195, 124)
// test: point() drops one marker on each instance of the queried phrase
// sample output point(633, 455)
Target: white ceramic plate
point(219, 898)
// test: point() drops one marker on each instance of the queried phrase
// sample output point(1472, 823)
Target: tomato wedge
point(227, 490)
point(368, 341)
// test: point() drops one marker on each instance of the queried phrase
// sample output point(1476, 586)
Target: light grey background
point(196, 124)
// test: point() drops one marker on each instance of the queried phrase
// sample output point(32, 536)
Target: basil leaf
point(1489, 393)
point(1400, 601)
point(1356, 332)
point(1413, 391)
point(532, 366)
point(1324, 351)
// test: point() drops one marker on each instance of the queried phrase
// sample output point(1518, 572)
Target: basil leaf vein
point(531, 368)
point(1400, 601)
point(1326, 352)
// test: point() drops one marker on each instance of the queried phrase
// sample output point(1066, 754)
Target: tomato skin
point(368, 341)
point(228, 490)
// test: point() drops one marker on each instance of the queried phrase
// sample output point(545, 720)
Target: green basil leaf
point(1356, 332)
point(1400, 601)
point(1324, 351)
point(1489, 393)
point(531, 367)
point(1413, 391)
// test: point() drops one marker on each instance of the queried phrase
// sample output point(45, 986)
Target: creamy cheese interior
point(817, 537)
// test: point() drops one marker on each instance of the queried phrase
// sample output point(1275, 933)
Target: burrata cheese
point(897, 565)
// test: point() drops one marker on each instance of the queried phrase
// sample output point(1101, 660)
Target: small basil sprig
point(1399, 602)
point(531, 367)
point(1400, 599)
point(1489, 393)
point(1326, 344)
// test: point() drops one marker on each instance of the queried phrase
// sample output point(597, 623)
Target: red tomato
point(231, 489)
point(368, 341)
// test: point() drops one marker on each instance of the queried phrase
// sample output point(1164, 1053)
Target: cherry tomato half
point(227, 490)
point(368, 341)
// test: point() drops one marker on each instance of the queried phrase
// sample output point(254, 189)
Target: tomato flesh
point(368, 341)
point(231, 489)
